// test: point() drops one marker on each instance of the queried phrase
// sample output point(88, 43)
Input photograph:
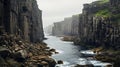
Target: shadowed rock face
point(22, 17)
point(115, 2)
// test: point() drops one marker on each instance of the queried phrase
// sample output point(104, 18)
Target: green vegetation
point(104, 13)
point(103, 1)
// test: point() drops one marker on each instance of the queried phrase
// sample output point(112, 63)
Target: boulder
point(44, 63)
point(56, 52)
point(4, 52)
point(18, 57)
point(50, 61)
point(59, 62)
point(52, 50)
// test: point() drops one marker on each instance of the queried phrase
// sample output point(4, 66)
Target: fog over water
point(57, 10)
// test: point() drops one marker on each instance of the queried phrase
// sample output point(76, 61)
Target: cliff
point(48, 29)
point(21, 35)
point(21, 18)
point(99, 24)
point(67, 27)
point(57, 29)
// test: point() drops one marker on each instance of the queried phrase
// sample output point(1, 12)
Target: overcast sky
point(57, 10)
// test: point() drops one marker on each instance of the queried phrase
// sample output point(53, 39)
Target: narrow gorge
point(96, 28)
point(90, 38)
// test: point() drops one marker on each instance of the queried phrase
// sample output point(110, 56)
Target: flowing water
point(69, 53)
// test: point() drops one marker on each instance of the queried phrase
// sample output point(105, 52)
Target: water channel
point(70, 54)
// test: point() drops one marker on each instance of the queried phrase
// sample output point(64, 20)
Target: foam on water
point(60, 51)
point(65, 64)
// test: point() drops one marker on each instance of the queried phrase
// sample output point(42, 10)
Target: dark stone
point(21, 18)
point(4, 52)
point(18, 57)
point(59, 62)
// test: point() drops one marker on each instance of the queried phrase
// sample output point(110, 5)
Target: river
point(69, 53)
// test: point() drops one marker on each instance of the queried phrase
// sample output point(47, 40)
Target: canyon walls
point(21, 17)
point(67, 27)
point(97, 25)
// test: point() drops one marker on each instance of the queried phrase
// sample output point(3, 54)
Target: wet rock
point(84, 65)
point(13, 63)
point(59, 62)
point(39, 65)
point(50, 61)
point(2, 61)
point(56, 52)
point(30, 54)
point(44, 63)
point(52, 50)
point(19, 42)
point(47, 47)
point(4, 52)
point(67, 38)
point(18, 57)
point(109, 66)
point(21, 53)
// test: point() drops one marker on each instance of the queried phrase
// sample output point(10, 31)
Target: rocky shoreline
point(67, 38)
point(109, 55)
point(16, 52)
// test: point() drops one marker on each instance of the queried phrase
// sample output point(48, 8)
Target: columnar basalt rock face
point(68, 27)
point(1, 15)
point(22, 17)
point(58, 29)
point(99, 30)
point(37, 27)
point(75, 25)
point(115, 2)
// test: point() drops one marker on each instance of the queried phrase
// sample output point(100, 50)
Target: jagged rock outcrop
point(21, 17)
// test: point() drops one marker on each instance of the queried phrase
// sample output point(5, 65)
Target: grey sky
point(57, 10)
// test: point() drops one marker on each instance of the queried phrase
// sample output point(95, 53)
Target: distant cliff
point(21, 17)
point(67, 27)
point(48, 29)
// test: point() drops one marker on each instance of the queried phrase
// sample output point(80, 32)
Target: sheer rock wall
point(21, 17)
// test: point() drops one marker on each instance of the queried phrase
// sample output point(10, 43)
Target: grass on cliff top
point(103, 1)
point(104, 13)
